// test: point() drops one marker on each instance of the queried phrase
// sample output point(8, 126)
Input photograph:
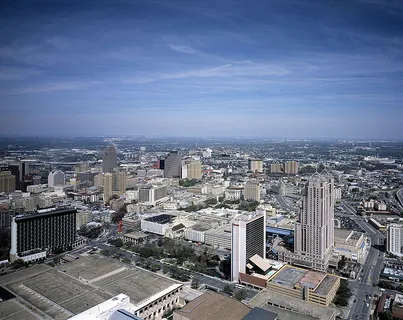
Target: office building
point(291, 167)
point(252, 190)
point(5, 219)
point(233, 193)
point(314, 233)
point(34, 235)
point(194, 170)
point(152, 194)
point(394, 239)
point(119, 182)
point(56, 178)
point(108, 186)
point(109, 159)
point(99, 180)
point(248, 239)
point(255, 165)
point(276, 168)
point(173, 165)
point(7, 182)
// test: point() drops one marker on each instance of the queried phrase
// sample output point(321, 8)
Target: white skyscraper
point(394, 241)
point(247, 239)
point(56, 178)
point(314, 233)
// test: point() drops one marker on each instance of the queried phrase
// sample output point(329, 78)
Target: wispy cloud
point(54, 86)
point(15, 73)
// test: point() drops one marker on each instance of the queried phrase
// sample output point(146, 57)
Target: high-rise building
point(276, 168)
point(99, 180)
point(394, 239)
point(252, 190)
point(194, 170)
point(173, 165)
point(56, 178)
point(34, 235)
point(248, 239)
point(291, 167)
point(152, 194)
point(109, 159)
point(7, 182)
point(314, 233)
point(119, 182)
point(255, 165)
point(108, 186)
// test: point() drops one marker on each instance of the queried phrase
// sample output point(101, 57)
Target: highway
point(365, 285)
point(399, 195)
point(285, 204)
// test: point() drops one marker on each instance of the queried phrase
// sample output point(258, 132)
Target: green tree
point(386, 315)
point(227, 289)
point(240, 294)
point(19, 263)
point(126, 260)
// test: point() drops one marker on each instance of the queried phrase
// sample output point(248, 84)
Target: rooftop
point(214, 306)
point(161, 219)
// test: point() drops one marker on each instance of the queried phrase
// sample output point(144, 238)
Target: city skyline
point(291, 69)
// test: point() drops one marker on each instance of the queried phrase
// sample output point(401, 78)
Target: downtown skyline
point(289, 68)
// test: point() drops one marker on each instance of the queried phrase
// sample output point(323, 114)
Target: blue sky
point(267, 68)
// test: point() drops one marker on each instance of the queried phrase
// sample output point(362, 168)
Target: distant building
point(194, 170)
point(248, 239)
point(5, 219)
point(233, 193)
point(108, 186)
point(119, 182)
point(109, 159)
point(34, 235)
point(291, 167)
point(56, 178)
point(7, 182)
point(394, 239)
point(152, 194)
point(255, 165)
point(276, 168)
point(173, 165)
point(252, 190)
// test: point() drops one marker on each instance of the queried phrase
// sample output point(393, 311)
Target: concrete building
point(194, 170)
point(119, 182)
point(291, 167)
point(152, 194)
point(34, 235)
point(248, 239)
point(5, 219)
point(350, 245)
point(173, 165)
point(56, 178)
point(157, 224)
point(233, 193)
point(99, 180)
point(394, 239)
point(7, 182)
point(109, 159)
point(252, 190)
point(314, 233)
point(134, 238)
point(108, 186)
point(255, 165)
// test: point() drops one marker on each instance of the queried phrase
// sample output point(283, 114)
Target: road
point(365, 286)
point(285, 204)
point(399, 195)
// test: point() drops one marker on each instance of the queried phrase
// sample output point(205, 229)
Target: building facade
point(34, 235)
point(394, 239)
point(248, 238)
point(252, 190)
point(255, 165)
point(109, 159)
point(108, 186)
point(56, 178)
point(173, 165)
point(7, 182)
point(194, 170)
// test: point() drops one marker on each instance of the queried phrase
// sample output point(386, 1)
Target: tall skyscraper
point(252, 190)
point(119, 182)
point(291, 167)
point(34, 235)
point(56, 178)
point(109, 159)
point(173, 165)
point(314, 233)
point(255, 165)
point(108, 186)
point(247, 239)
point(394, 239)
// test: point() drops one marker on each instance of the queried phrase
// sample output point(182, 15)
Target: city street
point(365, 285)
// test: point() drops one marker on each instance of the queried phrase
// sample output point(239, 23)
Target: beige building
point(291, 167)
point(99, 180)
point(311, 286)
point(350, 244)
point(255, 165)
point(108, 186)
point(119, 182)
point(7, 182)
point(194, 170)
point(252, 190)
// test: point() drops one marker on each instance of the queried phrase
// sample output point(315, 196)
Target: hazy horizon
point(281, 69)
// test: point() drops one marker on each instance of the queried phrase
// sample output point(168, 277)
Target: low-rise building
point(134, 237)
point(350, 245)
